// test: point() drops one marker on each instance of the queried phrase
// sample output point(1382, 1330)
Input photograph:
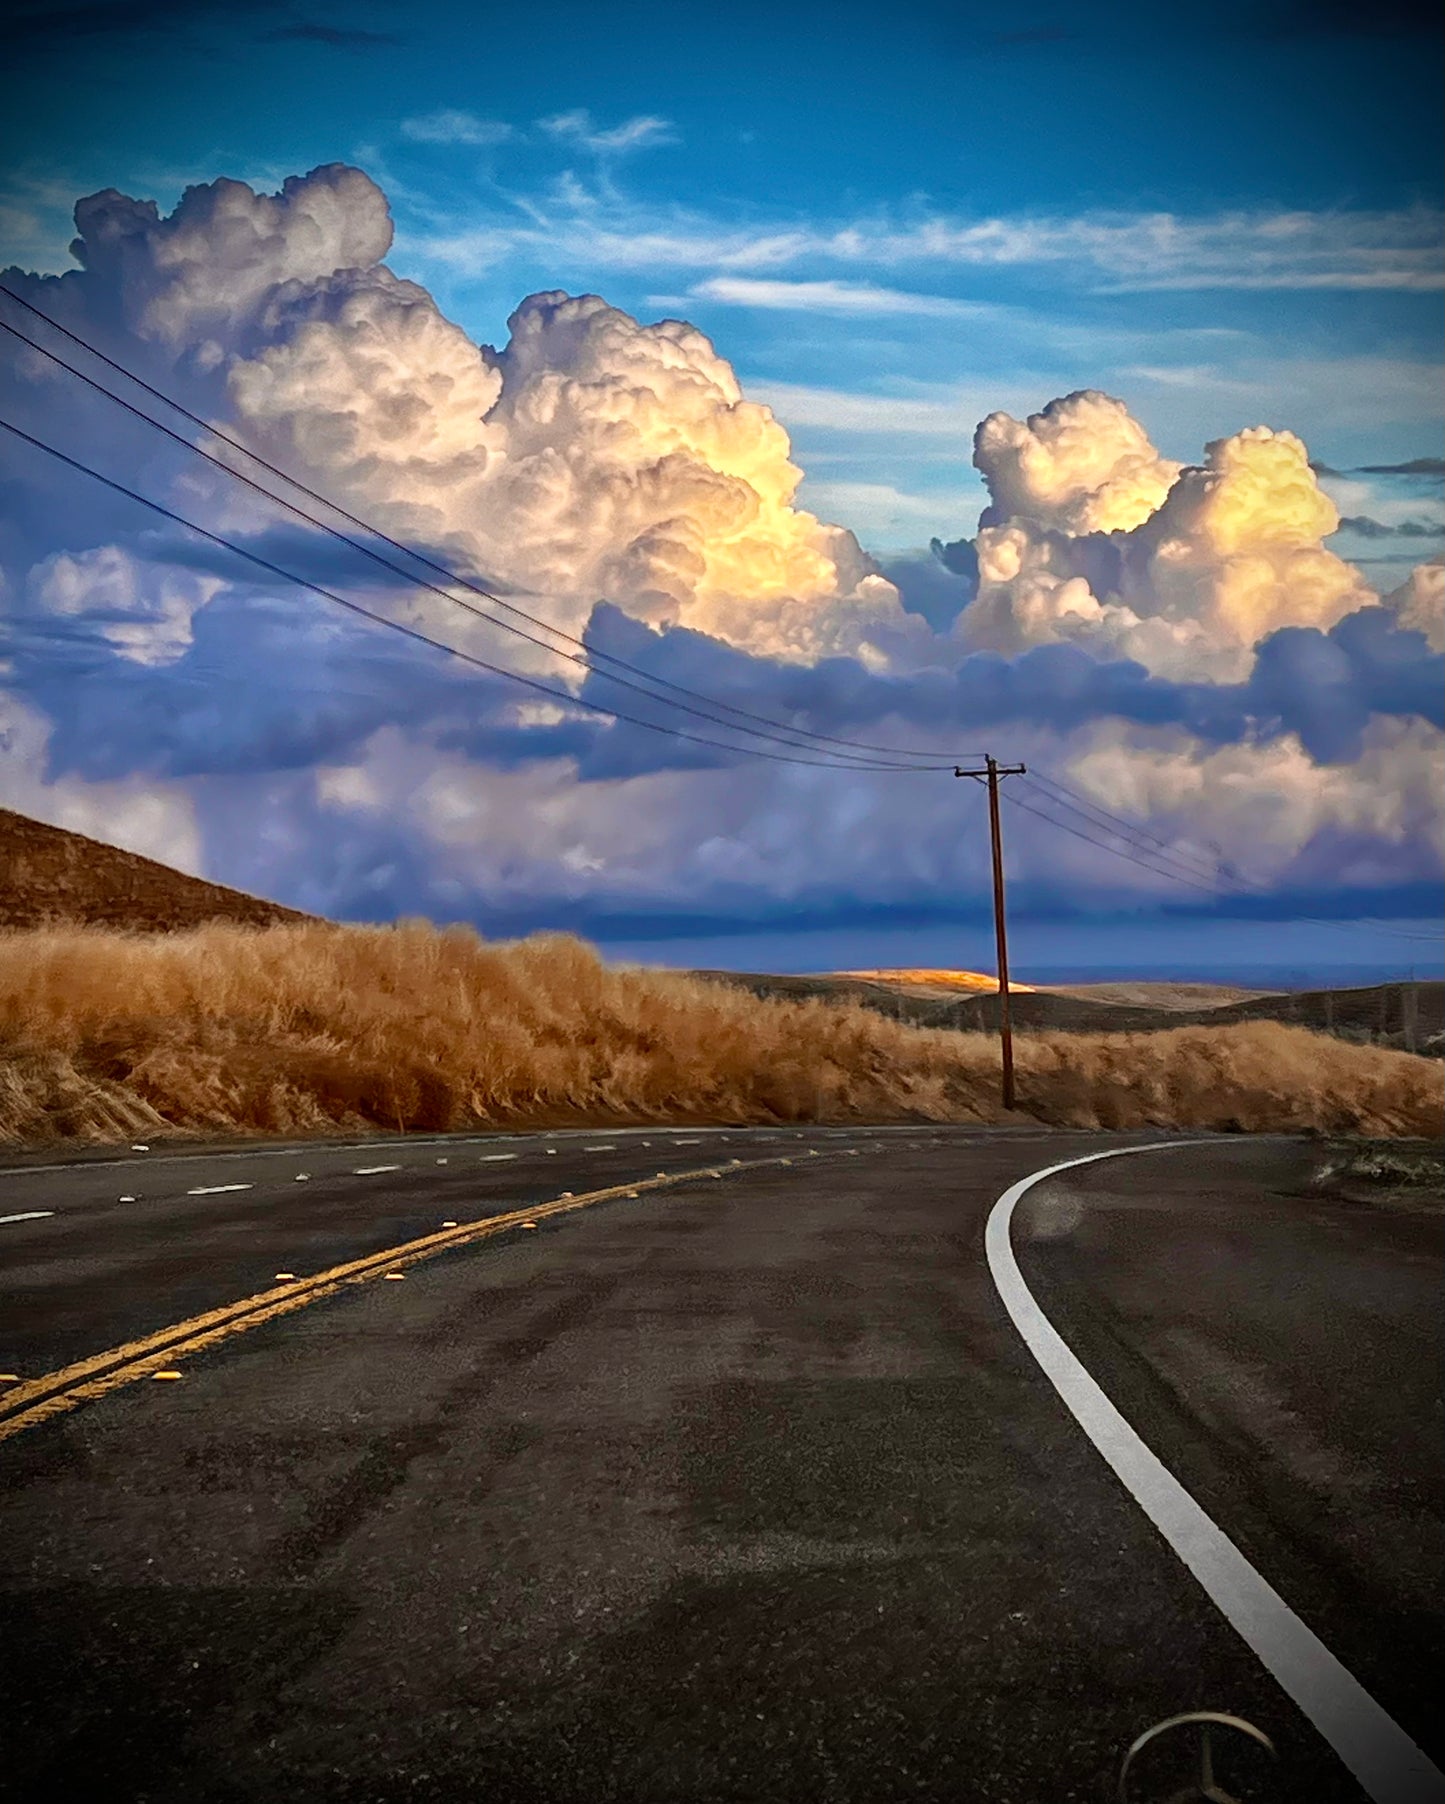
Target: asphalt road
point(745, 1489)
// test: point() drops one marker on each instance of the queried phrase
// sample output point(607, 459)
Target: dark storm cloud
point(1351, 19)
point(1417, 466)
point(46, 26)
point(1326, 686)
point(961, 557)
point(1405, 529)
point(930, 588)
point(335, 37)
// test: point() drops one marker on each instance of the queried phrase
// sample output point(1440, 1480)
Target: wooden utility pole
point(990, 774)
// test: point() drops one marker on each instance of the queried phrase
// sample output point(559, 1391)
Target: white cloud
point(1109, 252)
point(847, 299)
point(1386, 249)
point(449, 126)
point(1419, 602)
point(204, 267)
point(593, 456)
point(1095, 540)
point(143, 609)
point(1083, 464)
point(632, 134)
point(1266, 803)
point(155, 820)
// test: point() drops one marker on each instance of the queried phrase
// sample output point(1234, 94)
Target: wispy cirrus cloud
point(848, 300)
point(449, 125)
point(1377, 250)
point(943, 411)
point(632, 134)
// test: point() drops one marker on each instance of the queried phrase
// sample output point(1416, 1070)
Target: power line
point(1196, 882)
point(1131, 830)
point(355, 607)
point(1242, 886)
point(1144, 842)
point(1118, 851)
point(990, 775)
point(592, 657)
point(1159, 856)
point(421, 582)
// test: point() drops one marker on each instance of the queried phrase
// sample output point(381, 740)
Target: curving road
point(742, 1488)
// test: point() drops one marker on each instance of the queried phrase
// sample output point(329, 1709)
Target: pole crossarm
point(990, 774)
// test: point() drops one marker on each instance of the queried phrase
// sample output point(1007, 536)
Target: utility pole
point(990, 774)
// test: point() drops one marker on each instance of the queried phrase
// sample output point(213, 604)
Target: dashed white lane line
point(373, 1171)
point(599, 1149)
point(1367, 1739)
point(27, 1215)
point(218, 1189)
point(494, 1158)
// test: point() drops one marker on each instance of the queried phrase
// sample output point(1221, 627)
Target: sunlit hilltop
point(943, 980)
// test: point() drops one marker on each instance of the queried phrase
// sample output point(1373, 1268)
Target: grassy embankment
point(299, 1029)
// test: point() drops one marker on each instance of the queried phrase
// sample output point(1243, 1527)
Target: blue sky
point(889, 221)
point(713, 163)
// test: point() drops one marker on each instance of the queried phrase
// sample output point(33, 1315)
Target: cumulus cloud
point(205, 267)
point(1419, 603)
point(1092, 537)
point(1138, 623)
point(1286, 814)
point(1080, 465)
point(142, 609)
point(592, 456)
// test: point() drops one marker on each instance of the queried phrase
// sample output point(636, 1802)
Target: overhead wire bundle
point(834, 750)
point(754, 733)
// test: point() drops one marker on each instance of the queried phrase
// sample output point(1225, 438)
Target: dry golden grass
point(312, 1028)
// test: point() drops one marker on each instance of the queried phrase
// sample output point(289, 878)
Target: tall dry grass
point(308, 1029)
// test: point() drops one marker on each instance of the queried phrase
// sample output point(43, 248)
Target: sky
point(1063, 385)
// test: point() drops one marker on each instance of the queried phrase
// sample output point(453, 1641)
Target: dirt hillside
point(49, 877)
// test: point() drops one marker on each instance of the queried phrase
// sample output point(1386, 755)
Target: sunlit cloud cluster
point(1093, 537)
point(1177, 640)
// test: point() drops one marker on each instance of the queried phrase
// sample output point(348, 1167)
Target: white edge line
point(28, 1215)
point(1391, 1768)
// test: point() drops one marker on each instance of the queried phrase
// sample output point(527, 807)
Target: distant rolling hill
point(1409, 1015)
point(51, 877)
point(928, 981)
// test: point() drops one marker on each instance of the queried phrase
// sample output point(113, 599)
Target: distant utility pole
point(990, 774)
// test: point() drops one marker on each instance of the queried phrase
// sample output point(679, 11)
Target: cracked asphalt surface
point(744, 1490)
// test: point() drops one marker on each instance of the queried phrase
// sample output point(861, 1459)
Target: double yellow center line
point(39, 1399)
